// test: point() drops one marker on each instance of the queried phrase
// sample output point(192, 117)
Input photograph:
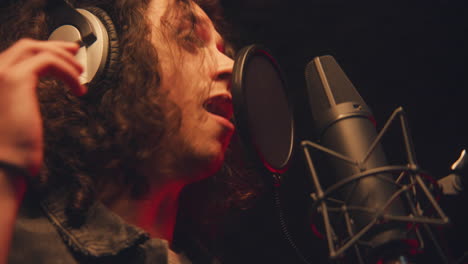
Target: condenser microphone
point(344, 124)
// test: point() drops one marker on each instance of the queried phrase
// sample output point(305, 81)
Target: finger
point(61, 51)
point(70, 46)
point(47, 63)
point(25, 48)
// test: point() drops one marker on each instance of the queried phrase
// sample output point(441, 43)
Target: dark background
point(396, 53)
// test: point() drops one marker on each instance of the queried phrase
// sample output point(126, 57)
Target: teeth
point(219, 105)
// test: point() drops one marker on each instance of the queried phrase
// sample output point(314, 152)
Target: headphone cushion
point(113, 56)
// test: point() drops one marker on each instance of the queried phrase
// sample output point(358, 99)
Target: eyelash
point(193, 38)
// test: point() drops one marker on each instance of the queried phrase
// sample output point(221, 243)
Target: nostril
point(225, 76)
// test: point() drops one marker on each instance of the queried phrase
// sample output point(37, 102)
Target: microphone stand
point(326, 204)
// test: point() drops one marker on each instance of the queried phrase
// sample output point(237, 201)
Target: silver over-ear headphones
point(94, 30)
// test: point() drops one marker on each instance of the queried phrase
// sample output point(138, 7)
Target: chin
point(203, 158)
point(203, 164)
point(209, 166)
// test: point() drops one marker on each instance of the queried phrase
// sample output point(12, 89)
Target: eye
point(188, 37)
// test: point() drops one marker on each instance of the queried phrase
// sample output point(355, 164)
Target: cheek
point(188, 86)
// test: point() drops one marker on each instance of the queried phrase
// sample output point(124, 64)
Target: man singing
point(101, 166)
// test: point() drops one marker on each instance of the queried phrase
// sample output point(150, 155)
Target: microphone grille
point(328, 85)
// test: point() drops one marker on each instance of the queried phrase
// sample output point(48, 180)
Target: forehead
point(172, 10)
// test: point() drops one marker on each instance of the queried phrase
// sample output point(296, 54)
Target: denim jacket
point(42, 235)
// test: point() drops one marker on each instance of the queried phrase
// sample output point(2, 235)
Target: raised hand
point(21, 142)
point(21, 66)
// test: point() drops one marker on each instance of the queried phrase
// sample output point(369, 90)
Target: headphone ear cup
point(113, 56)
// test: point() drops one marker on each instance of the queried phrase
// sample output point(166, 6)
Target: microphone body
point(344, 124)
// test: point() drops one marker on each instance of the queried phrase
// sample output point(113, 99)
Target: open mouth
point(220, 105)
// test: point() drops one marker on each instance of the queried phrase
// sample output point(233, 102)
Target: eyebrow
point(181, 11)
point(196, 21)
point(195, 18)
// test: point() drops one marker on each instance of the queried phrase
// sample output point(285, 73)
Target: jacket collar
point(103, 233)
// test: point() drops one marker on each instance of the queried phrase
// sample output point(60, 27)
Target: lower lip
point(225, 122)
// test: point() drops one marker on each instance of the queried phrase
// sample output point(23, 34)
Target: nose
point(223, 72)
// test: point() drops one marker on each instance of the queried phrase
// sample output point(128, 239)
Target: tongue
point(219, 106)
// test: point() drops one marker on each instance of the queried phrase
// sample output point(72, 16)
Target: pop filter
point(261, 108)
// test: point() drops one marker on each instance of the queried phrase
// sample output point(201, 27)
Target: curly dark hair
point(101, 138)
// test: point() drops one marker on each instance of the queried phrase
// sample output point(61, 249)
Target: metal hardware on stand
point(409, 182)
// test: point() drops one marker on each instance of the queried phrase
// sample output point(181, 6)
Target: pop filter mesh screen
point(269, 117)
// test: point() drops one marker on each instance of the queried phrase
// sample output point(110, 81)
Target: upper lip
point(220, 104)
